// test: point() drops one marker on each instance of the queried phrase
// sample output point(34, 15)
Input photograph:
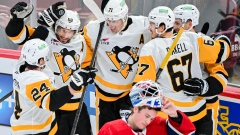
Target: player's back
point(182, 64)
point(29, 117)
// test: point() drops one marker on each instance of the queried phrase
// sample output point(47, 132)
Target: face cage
point(144, 94)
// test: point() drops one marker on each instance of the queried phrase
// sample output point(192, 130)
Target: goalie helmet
point(33, 50)
point(115, 10)
point(162, 14)
point(146, 93)
point(186, 12)
point(70, 20)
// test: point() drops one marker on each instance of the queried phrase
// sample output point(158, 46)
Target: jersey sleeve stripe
point(70, 106)
point(46, 101)
point(20, 37)
point(220, 55)
point(32, 126)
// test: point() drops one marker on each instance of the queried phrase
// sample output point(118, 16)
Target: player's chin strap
point(189, 28)
point(160, 33)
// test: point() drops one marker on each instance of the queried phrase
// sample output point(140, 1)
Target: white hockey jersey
point(182, 64)
point(65, 59)
point(117, 55)
point(31, 92)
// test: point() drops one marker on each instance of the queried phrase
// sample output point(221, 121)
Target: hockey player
point(187, 16)
point(117, 56)
point(182, 64)
point(36, 100)
point(67, 49)
point(147, 100)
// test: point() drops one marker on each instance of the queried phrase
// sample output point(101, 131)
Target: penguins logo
point(70, 20)
point(68, 62)
point(123, 59)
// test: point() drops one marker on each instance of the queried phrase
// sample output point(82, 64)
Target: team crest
point(68, 62)
point(70, 20)
point(123, 59)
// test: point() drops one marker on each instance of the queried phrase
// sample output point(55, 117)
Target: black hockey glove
point(21, 11)
point(90, 72)
point(84, 77)
point(52, 14)
point(195, 87)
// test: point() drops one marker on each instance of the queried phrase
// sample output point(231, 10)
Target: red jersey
point(159, 126)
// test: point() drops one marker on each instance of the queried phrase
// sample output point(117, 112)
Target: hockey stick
point(169, 53)
point(204, 30)
point(6, 96)
point(97, 12)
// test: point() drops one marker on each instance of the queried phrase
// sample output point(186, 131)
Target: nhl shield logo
point(70, 20)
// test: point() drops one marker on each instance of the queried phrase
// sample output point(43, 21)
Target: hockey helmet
point(186, 12)
point(33, 50)
point(146, 93)
point(70, 20)
point(115, 10)
point(162, 14)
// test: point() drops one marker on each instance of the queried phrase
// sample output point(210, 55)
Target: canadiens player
point(67, 49)
point(182, 64)
point(122, 39)
point(187, 16)
point(147, 100)
point(36, 99)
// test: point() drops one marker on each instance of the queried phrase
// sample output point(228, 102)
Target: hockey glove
point(195, 87)
point(21, 11)
point(52, 14)
point(78, 79)
point(84, 77)
point(90, 73)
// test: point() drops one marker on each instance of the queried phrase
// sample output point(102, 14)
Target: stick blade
point(95, 9)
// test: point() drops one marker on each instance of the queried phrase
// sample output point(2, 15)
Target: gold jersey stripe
point(33, 127)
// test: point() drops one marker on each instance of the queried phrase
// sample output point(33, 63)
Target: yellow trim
point(162, 115)
point(110, 99)
point(89, 51)
point(186, 104)
point(198, 116)
point(35, 87)
point(19, 35)
point(54, 130)
point(33, 127)
point(214, 107)
point(47, 102)
point(30, 30)
point(192, 118)
point(70, 106)
point(113, 86)
point(220, 80)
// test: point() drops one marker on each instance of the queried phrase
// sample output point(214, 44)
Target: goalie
point(147, 100)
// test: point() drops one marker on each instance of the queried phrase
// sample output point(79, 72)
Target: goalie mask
point(187, 12)
point(115, 10)
point(162, 15)
point(35, 49)
point(146, 93)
